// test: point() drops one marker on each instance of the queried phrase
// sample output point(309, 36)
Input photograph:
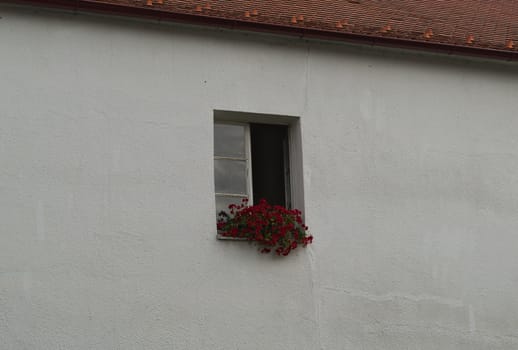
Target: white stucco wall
point(106, 192)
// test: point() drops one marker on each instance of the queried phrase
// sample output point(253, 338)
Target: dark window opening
point(270, 171)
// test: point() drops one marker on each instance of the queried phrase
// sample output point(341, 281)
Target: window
point(253, 159)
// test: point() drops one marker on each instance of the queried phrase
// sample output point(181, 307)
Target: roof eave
point(298, 31)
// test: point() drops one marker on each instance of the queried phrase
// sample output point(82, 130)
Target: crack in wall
point(394, 296)
point(315, 292)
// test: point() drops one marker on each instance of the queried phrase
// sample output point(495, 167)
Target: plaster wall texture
point(106, 192)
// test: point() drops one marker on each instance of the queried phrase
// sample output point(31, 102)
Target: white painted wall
point(106, 192)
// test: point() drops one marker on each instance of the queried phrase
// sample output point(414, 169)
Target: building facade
point(404, 163)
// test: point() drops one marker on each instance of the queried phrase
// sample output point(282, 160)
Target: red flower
point(271, 227)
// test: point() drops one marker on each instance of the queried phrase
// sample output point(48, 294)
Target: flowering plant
point(271, 227)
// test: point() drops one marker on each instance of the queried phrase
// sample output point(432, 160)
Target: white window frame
point(248, 161)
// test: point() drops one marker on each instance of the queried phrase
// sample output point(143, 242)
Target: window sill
point(225, 238)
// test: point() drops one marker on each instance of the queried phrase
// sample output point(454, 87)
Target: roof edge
point(297, 31)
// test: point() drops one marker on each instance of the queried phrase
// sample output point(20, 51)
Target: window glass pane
point(229, 140)
point(222, 203)
point(230, 176)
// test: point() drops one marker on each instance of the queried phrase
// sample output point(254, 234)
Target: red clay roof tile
point(483, 24)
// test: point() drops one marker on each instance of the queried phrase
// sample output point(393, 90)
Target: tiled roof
point(478, 25)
